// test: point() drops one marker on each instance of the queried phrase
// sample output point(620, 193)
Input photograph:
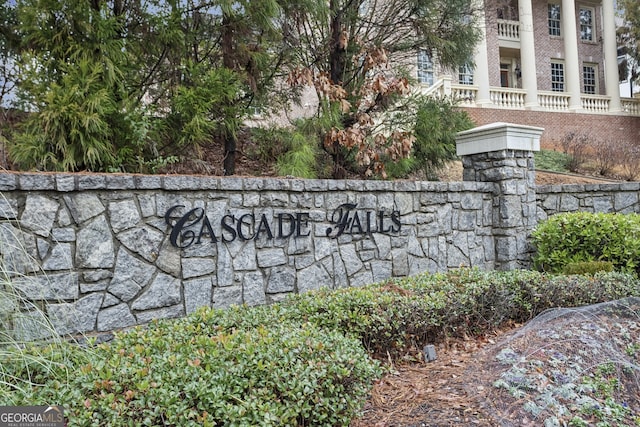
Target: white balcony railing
point(595, 103)
point(466, 95)
point(554, 101)
point(631, 106)
point(507, 97)
point(512, 98)
point(508, 30)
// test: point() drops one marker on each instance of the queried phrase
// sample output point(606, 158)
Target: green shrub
point(584, 237)
point(587, 267)
point(299, 362)
point(393, 318)
point(183, 373)
point(552, 160)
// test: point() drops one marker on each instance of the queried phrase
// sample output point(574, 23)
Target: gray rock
point(381, 270)
point(66, 234)
point(83, 206)
point(351, 260)
point(227, 296)
point(116, 317)
point(109, 301)
point(253, 289)
point(271, 257)
point(144, 241)
point(400, 262)
point(52, 287)
point(282, 279)
point(169, 259)
point(130, 276)
point(8, 207)
point(163, 292)
point(161, 313)
point(39, 214)
point(147, 205)
point(313, 278)
point(339, 273)
point(245, 258)
point(59, 258)
point(72, 318)
point(196, 267)
point(94, 245)
point(18, 250)
point(124, 215)
point(96, 275)
point(197, 293)
point(31, 326)
point(98, 286)
point(225, 267)
point(361, 279)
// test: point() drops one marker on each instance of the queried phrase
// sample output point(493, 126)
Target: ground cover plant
point(306, 361)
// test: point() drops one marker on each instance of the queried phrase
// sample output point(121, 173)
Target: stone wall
point(103, 252)
point(615, 198)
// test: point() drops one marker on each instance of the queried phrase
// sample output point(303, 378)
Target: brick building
point(547, 63)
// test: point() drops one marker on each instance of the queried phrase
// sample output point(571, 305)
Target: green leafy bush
point(301, 362)
point(584, 237)
point(552, 160)
point(184, 373)
point(587, 267)
point(393, 318)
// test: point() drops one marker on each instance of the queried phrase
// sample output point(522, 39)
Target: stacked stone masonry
point(97, 251)
point(101, 252)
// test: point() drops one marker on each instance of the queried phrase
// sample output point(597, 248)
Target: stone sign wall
point(111, 251)
point(98, 253)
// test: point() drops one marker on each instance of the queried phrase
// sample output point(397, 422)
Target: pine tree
point(356, 54)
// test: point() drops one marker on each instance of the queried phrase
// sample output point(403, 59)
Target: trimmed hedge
point(576, 237)
point(298, 363)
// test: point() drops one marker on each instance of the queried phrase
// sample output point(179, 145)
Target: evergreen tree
point(356, 54)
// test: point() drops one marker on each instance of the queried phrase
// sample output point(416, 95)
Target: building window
point(425, 68)
point(465, 75)
point(557, 76)
point(554, 20)
point(363, 9)
point(590, 78)
point(586, 24)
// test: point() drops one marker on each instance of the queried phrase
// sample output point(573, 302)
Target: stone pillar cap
point(497, 137)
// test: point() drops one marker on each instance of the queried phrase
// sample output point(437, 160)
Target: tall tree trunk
point(338, 44)
point(230, 139)
point(337, 61)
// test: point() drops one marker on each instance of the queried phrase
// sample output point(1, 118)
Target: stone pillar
point(528, 54)
point(572, 63)
point(502, 153)
point(611, 56)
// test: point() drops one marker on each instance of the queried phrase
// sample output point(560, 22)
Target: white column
point(528, 54)
point(481, 59)
point(612, 85)
point(572, 63)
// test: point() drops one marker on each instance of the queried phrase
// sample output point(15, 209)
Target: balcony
point(514, 99)
point(508, 30)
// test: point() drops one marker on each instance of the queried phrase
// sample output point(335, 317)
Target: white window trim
point(466, 74)
point(564, 79)
point(559, 20)
point(594, 37)
point(421, 67)
point(596, 88)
